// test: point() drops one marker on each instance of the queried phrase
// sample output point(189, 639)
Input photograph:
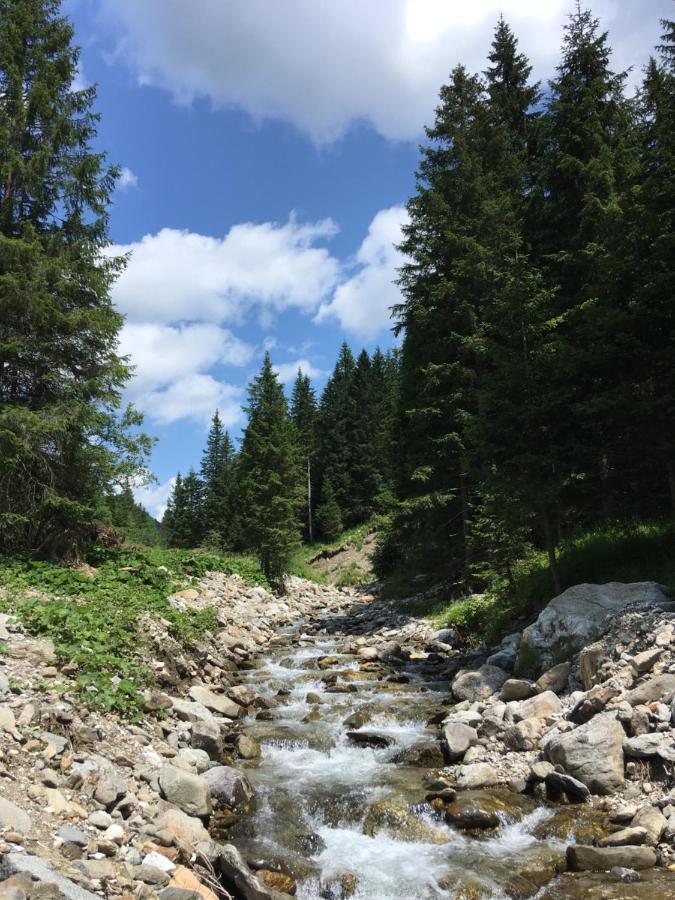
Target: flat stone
point(71, 835)
point(219, 703)
point(600, 859)
point(191, 711)
point(660, 687)
point(189, 792)
point(633, 836)
point(477, 775)
point(149, 875)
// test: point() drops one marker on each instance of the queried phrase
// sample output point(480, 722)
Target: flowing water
point(315, 789)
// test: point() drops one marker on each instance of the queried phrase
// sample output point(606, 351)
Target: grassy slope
point(644, 553)
point(300, 564)
point(97, 622)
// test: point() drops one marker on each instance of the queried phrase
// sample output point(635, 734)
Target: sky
point(268, 148)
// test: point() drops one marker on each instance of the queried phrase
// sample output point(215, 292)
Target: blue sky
point(269, 147)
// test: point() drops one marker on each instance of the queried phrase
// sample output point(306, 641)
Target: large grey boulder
point(228, 786)
point(582, 613)
point(647, 746)
point(479, 684)
point(592, 753)
point(541, 706)
point(41, 871)
point(187, 791)
point(457, 738)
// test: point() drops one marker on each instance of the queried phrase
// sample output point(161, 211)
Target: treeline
point(537, 386)
point(306, 469)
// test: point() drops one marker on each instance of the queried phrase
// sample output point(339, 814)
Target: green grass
point(643, 552)
point(99, 622)
point(355, 537)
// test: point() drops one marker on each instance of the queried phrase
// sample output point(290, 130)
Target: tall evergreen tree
point(182, 522)
point(334, 430)
point(270, 489)
point(364, 469)
point(217, 475)
point(303, 414)
point(62, 443)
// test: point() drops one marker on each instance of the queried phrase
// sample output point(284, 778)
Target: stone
point(557, 783)
point(228, 786)
point(206, 736)
point(477, 775)
point(647, 746)
point(188, 792)
point(198, 759)
point(632, 836)
point(516, 689)
point(541, 706)
point(237, 874)
point(158, 861)
point(653, 821)
point(12, 816)
point(426, 754)
point(369, 739)
point(554, 679)
point(247, 747)
point(589, 660)
point(42, 871)
point(183, 879)
point(218, 703)
point(8, 722)
point(524, 735)
point(187, 829)
point(191, 711)
point(149, 875)
point(600, 859)
point(593, 702)
point(110, 788)
point(540, 769)
point(592, 753)
point(70, 835)
point(479, 684)
point(457, 738)
point(659, 687)
point(100, 819)
point(645, 661)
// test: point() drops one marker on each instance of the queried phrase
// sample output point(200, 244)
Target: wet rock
point(516, 689)
point(479, 684)
point(592, 753)
point(369, 739)
point(557, 783)
point(280, 881)
point(188, 792)
point(247, 747)
point(476, 775)
point(484, 809)
point(228, 786)
point(426, 754)
point(554, 679)
point(393, 816)
point(457, 738)
point(339, 887)
point(630, 836)
point(599, 859)
point(660, 687)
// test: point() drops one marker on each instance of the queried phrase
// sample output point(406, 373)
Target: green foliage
point(100, 622)
point(328, 514)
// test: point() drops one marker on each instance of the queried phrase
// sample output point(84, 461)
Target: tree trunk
point(550, 549)
point(671, 482)
point(310, 524)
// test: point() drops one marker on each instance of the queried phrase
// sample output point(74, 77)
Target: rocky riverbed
point(322, 745)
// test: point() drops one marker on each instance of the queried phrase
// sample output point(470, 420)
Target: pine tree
point(384, 376)
point(303, 414)
point(328, 516)
point(62, 444)
point(364, 470)
point(334, 430)
point(270, 480)
point(217, 477)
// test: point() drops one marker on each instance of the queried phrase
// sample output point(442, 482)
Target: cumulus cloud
point(194, 397)
point(323, 65)
point(179, 275)
point(127, 179)
point(362, 303)
point(154, 497)
point(288, 371)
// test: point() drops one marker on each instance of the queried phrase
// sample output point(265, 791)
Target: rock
point(541, 706)
point(198, 759)
point(8, 722)
point(557, 783)
point(426, 754)
point(660, 687)
point(646, 746)
point(594, 702)
point(176, 893)
point(653, 821)
point(540, 769)
point(477, 775)
point(592, 753)
point(41, 871)
point(188, 792)
point(238, 876)
point(369, 739)
point(228, 786)
point(554, 679)
point(524, 735)
point(516, 689)
point(158, 861)
point(206, 736)
point(631, 836)
point(485, 809)
point(600, 859)
point(589, 660)
point(70, 835)
point(457, 738)
point(149, 874)
point(218, 703)
point(393, 816)
point(191, 711)
point(247, 747)
point(645, 661)
point(187, 829)
point(12, 816)
point(110, 788)
point(445, 636)
point(184, 880)
point(479, 684)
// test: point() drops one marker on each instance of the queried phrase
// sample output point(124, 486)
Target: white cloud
point(154, 497)
point(127, 179)
point(288, 371)
point(269, 342)
point(194, 397)
point(178, 275)
point(362, 303)
point(322, 64)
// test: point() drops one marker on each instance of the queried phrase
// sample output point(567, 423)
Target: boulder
point(582, 613)
point(660, 687)
point(369, 739)
point(594, 702)
point(554, 679)
point(427, 754)
point(600, 859)
point(557, 783)
point(218, 703)
point(524, 735)
point(516, 689)
point(238, 877)
point(248, 747)
point(592, 753)
point(186, 829)
point(187, 791)
point(647, 746)
point(457, 738)
point(206, 736)
point(653, 821)
point(541, 706)
point(632, 836)
point(479, 684)
point(477, 775)
point(228, 786)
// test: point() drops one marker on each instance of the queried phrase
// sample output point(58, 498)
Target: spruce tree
point(217, 475)
point(303, 414)
point(328, 516)
point(364, 474)
point(270, 492)
point(62, 444)
point(334, 430)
